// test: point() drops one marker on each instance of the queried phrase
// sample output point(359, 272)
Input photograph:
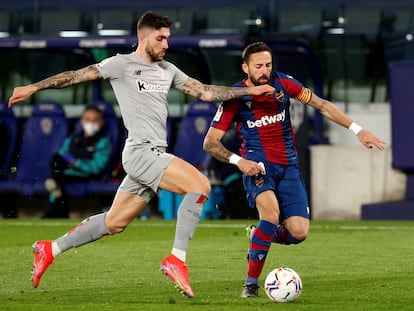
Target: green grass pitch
point(343, 265)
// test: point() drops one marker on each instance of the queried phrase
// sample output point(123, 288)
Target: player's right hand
point(21, 93)
point(250, 168)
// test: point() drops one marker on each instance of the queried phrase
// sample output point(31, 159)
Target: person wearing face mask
point(82, 157)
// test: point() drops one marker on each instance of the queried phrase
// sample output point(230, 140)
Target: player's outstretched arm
point(218, 93)
point(333, 113)
point(61, 80)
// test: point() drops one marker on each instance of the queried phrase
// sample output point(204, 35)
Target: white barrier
point(345, 175)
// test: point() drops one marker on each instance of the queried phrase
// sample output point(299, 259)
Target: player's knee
point(115, 226)
point(270, 216)
point(206, 189)
point(299, 235)
point(203, 185)
point(116, 229)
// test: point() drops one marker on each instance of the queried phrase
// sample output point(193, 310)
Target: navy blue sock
point(283, 236)
point(259, 248)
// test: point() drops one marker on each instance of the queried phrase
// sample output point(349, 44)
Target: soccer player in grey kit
point(141, 81)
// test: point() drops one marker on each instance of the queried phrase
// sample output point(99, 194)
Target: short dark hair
point(94, 108)
point(153, 20)
point(255, 48)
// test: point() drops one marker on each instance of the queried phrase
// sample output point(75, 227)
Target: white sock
point(180, 254)
point(55, 249)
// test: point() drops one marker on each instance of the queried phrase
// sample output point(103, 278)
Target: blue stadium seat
point(44, 133)
point(190, 136)
point(189, 146)
point(9, 125)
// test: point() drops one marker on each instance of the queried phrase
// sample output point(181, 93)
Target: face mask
point(91, 128)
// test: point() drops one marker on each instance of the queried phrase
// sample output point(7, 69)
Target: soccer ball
point(283, 285)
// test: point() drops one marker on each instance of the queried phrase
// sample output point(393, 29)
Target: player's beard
point(257, 82)
point(155, 57)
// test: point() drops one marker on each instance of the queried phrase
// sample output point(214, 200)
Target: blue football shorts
point(288, 185)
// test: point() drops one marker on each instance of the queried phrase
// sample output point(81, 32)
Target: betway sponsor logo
point(144, 87)
point(266, 120)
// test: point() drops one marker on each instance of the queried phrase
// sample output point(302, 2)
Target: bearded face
point(155, 55)
point(259, 68)
point(155, 43)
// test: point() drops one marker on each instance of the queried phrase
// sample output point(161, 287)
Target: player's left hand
point(369, 140)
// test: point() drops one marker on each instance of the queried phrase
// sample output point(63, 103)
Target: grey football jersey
point(141, 91)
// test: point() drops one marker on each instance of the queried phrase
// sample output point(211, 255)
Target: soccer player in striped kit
point(269, 159)
point(141, 81)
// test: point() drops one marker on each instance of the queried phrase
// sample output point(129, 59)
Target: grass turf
point(343, 265)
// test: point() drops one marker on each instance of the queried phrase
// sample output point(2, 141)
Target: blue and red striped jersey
point(263, 122)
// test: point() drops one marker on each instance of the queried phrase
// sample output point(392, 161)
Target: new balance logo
point(267, 120)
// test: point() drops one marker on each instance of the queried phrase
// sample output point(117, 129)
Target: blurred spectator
point(83, 157)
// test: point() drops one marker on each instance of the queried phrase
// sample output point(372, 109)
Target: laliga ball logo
point(283, 285)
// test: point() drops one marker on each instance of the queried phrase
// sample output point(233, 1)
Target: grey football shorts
point(144, 164)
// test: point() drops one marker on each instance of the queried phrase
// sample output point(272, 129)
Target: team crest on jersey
point(218, 114)
point(259, 181)
point(280, 96)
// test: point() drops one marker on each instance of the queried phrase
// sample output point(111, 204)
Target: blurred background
point(357, 54)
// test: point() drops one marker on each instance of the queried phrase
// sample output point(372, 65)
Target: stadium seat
point(44, 133)
point(10, 129)
point(189, 146)
point(191, 132)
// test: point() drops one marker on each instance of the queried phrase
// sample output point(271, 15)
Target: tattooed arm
point(217, 93)
point(212, 144)
point(61, 80)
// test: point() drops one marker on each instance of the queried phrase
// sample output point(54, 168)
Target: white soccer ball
point(283, 285)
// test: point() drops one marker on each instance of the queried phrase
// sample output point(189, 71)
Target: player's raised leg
point(124, 209)
point(182, 178)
